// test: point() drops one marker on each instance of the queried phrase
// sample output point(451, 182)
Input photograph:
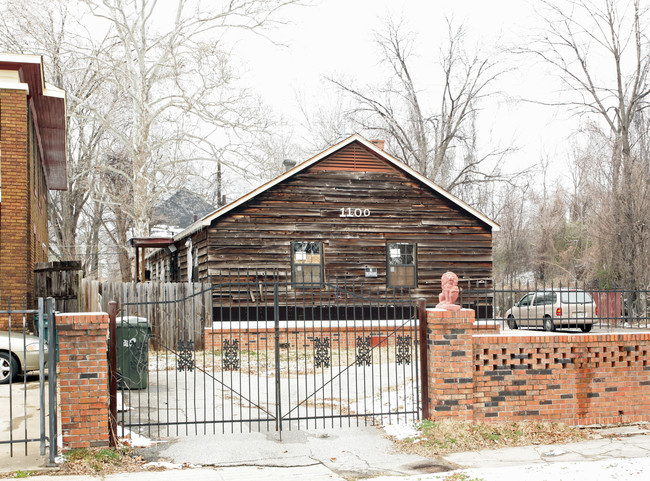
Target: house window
point(307, 262)
point(401, 264)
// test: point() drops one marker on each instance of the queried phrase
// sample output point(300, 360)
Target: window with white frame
point(401, 264)
point(307, 262)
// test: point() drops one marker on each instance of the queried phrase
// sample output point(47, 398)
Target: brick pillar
point(450, 352)
point(83, 379)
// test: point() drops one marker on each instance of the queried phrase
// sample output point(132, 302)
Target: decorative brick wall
point(573, 378)
point(577, 379)
point(263, 339)
point(83, 379)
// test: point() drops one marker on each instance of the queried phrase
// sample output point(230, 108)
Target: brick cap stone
point(437, 309)
point(81, 314)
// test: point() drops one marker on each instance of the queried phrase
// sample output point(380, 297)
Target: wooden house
point(352, 212)
point(32, 161)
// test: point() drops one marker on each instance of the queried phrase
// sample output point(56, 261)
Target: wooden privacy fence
point(62, 281)
point(176, 311)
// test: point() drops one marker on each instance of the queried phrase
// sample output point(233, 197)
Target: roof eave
point(49, 106)
point(207, 220)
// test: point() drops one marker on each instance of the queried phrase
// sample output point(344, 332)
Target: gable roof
point(207, 220)
point(180, 208)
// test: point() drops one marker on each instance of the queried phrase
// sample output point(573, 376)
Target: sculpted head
point(449, 279)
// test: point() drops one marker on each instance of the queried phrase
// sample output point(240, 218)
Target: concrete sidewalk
point(352, 453)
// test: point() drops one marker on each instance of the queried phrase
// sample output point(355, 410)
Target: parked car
point(552, 309)
point(19, 358)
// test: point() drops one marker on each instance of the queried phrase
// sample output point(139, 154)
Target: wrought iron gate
point(25, 355)
point(271, 355)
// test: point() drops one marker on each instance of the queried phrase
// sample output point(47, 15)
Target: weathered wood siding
point(307, 207)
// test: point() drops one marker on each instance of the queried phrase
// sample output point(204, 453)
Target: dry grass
point(450, 436)
point(89, 462)
point(100, 460)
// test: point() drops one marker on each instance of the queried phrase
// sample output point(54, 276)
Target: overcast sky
point(336, 37)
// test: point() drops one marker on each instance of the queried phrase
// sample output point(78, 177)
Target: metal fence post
point(424, 369)
point(112, 373)
point(51, 375)
point(41, 371)
point(278, 394)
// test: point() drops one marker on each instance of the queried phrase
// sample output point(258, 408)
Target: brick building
point(32, 160)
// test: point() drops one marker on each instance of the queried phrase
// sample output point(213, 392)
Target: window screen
point(401, 264)
point(307, 262)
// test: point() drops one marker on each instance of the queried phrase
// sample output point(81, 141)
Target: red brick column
point(451, 367)
point(83, 379)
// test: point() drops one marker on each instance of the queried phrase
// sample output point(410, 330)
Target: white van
point(552, 309)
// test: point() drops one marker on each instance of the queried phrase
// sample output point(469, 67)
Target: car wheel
point(586, 327)
point(8, 368)
point(512, 324)
point(548, 324)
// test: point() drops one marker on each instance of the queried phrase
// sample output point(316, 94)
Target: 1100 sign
point(350, 212)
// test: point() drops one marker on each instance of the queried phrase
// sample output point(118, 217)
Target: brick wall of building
point(83, 379)
point(577, 378)
point(23, 208)
point(15, 242)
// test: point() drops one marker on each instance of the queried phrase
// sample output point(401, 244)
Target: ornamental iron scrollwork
point(364, 353)
point(403, 349)
point(185, 356)
point(321, 352)
point(231, 361)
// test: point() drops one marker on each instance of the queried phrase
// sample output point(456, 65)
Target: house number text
point(350, 212)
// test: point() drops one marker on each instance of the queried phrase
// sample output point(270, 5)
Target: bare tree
point(56, 34)
point(580, 37)
point(512, 253)
point(439, 142)
point(152, 88)
point(176, 82)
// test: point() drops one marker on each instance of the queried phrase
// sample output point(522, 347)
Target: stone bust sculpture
point(449, 292)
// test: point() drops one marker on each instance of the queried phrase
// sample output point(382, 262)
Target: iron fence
point(557, 306)
point(24, 350)
point(275, 355)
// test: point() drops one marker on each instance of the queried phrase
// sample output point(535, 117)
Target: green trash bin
point(132, 337)
point(45, 333)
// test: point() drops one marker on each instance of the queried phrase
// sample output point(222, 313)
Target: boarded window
point(401, 264)
point(307, 262)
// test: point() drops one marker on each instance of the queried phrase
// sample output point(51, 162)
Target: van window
point(526, 300)
point(576, 297)
point(545, 298)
